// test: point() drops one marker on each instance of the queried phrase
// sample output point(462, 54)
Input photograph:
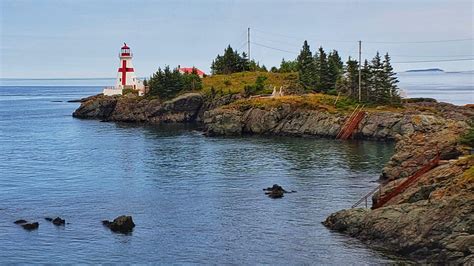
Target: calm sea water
point(194, 199)
point(456, 88)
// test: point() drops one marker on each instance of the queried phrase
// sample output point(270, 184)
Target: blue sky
point(55, 39)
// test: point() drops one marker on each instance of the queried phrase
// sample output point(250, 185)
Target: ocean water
point(456, 88)
point(194, 199)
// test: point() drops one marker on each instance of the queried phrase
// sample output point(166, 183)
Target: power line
point(376, 41)
point(429, 61)
point(242, 46)
point(431, 41)
point(428, 56)
point(300, 38)
point(273, 48)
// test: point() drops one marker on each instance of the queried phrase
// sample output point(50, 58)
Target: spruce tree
point(288, 66)
point(381, 94)
point(366, 86)
point(230, 62)
point(390, 80)
point(335, 68)
point(325, 83)
point(352, 76)
point(306, 67)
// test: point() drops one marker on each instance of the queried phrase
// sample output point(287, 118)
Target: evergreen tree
point(380, 93)
point(390, 80)
point(191, 81)
point(335, 68)
point(366, 86)
point(352, 75)
point(230, 62)
point(306, 68)
point(168, 83)
point(325, 83)
point(244, 62)
point(288, 66)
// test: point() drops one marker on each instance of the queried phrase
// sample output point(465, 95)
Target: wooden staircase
point(400, 188)
point(405, 184)
point(351, 124)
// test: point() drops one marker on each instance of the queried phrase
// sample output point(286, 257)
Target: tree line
point(326, 73)
point(319, 72)
point(231, 62)
point(168, 83)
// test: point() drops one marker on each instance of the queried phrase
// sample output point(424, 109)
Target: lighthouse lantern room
point(126, 78)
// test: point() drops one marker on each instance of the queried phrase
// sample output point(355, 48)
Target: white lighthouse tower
point(126, 78)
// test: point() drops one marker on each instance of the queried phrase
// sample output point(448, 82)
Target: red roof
point(125, 46)
point(189, 70)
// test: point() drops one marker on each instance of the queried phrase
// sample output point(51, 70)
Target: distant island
point(426, 70)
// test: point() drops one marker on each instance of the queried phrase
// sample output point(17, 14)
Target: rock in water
point(123, 224)
point(275, 194)
point(49, 219)
point(21, 221)
point(59, 221)
point(275, 191)
point(30, 226)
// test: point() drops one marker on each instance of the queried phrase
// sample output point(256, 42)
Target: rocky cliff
point(432, 221)
point(184, 108)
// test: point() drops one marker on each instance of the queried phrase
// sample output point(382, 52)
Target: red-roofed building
point(189, 70)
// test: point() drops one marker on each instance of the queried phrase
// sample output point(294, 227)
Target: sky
point(82, 38)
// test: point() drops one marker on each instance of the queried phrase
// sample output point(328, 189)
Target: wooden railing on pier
point(351, 123)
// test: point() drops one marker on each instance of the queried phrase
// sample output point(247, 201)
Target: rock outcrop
point(122, 224)
point(432, 221)
point(183, 108)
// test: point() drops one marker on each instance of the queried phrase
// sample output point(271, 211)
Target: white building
point(126, 78)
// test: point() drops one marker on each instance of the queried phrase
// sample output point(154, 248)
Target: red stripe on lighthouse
point(124, 71)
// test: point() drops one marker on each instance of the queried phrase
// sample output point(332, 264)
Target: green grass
point(312, 101)
point(236, 82)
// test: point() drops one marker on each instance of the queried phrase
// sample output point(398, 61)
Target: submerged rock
point(56, 221)
point(21, 221)
point(30, 226)
point(276, 191)
point(123, 224)
point(59, 221)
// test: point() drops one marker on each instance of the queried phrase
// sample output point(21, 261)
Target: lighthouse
point(126, 77)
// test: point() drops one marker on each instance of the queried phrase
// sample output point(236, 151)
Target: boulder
point(30, 226)
point(122, 224)
point(275, 191)
point(21, 221)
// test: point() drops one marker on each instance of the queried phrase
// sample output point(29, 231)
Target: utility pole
point(360, 67)
point(248, 42)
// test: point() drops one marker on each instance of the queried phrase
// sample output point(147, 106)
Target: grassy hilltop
point(236, 82)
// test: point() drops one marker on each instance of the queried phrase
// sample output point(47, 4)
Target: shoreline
point(420, 131)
